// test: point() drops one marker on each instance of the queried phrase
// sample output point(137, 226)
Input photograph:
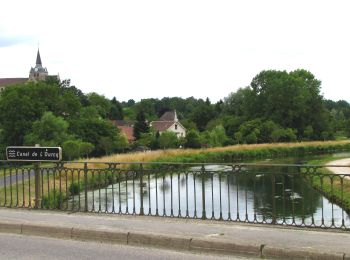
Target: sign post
point(35, 154)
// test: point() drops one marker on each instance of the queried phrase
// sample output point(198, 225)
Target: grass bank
point(233, 153)
point(335, 188)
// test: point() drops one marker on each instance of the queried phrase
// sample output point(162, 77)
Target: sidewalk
point(180, 234)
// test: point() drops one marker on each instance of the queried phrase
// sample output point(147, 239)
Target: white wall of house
point(178, 129)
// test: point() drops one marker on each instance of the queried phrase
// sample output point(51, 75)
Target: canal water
point(265, 194)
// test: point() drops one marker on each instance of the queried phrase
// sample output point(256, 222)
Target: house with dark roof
point(35, 74)
point(169, 122)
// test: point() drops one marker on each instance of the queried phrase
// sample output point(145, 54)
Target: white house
point(169, 122)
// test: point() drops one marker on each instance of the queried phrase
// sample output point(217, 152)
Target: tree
point(116, 110)
point(250, 131)
point(266, 130)
point(168, 140)
point(141, 126)
point(48, 131)
point(69, 104)
point(236, 103)
point(85, 148)
point(291, 99)
point(217, 136)
point(202, 114)
point(121, 142)
point(107, 145)
point(232, 124)
point(71, 149)
point(146, 139)
point(21, 105)
point(239, 137)
point(90, 128)
point(308, 132)
point(102, 104)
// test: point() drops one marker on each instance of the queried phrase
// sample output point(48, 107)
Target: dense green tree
point(202, 114)
point(68, 104)
point(145, 139)
point(188, 124)
point(217, 136)
point(91, 128)
point(250, 131)
point(291, 99)
point(21, 105)
point(147, 108)
point(48, 131)
point(192, 139)
point(85, 148)
point(116, 110)
point(237, 103)
point(141, 125)
point(101, 103)
point(232, 124)
point(168, 140)
point(71, 149)
point(107, 144)
point(347, 128)
point(121, 143)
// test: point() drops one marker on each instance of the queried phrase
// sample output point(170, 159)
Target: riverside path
point(204, 236)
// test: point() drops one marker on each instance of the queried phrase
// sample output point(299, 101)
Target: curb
point(164, 241)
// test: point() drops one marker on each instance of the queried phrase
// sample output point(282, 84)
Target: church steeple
point(38, 72)
point(38, 59)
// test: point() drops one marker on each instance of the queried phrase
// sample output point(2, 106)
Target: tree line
point(277, 106)
point(52, 113)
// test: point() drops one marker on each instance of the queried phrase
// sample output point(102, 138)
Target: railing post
point(203, 193)
point(141, 190)
point(37, 185)
point(85, 186)
point(273, 183)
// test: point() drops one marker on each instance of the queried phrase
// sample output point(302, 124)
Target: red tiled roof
point(12, 81)
point(161, 125)
point(128, 131)
point(121, 123)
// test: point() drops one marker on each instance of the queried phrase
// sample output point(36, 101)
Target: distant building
point(125, 128)
point(169, 122)
point(37, 73)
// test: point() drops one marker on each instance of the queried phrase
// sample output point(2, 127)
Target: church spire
point(38, 59)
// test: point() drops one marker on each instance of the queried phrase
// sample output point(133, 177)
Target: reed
point(225, 154)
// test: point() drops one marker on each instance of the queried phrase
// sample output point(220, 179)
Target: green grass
point(332, 186)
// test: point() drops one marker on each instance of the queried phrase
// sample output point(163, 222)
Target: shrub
point(75, 188)
point(53, 200)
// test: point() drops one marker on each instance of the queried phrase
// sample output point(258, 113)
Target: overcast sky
point(143, 49)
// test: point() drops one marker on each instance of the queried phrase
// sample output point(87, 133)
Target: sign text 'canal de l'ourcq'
point(27, 153)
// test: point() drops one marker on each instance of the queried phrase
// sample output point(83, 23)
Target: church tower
point(38, 72)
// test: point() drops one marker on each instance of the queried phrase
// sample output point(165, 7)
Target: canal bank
point(180, 234)
point(342, 169)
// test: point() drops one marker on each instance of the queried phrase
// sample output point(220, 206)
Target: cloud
point(7, 40)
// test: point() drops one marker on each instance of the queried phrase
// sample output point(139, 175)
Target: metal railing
point(290, 195)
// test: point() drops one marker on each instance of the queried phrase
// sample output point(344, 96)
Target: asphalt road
point(13, 178)
point(31, 247)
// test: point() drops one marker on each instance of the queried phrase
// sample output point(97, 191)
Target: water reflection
point(252, 194)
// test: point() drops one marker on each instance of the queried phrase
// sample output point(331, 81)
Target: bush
point(54, 200)
point(75, 188)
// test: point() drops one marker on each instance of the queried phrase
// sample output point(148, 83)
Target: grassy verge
point(333, 187)
point(57, 187)
point(227, 154)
